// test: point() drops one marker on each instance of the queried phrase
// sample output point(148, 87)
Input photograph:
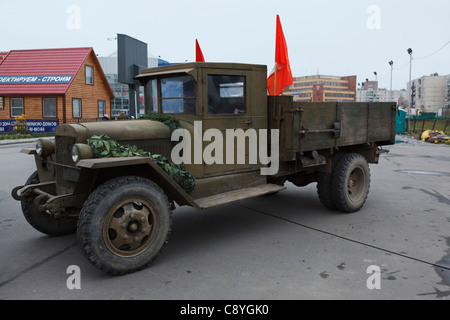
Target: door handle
point(248, 122)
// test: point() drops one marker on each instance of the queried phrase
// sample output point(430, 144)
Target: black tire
point(324, 187)
point(124, 224)
point(43, 221)
point(351, 183)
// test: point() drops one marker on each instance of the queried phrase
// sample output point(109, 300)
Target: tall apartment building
point(320, 88)
point(369, 92)
point(429, 93)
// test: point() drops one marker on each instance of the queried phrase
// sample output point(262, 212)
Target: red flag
point(198, 53)
point(282, 72)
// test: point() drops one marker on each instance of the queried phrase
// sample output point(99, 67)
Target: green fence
point(418, 125)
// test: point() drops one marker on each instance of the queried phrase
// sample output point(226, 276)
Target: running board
point(236, 195)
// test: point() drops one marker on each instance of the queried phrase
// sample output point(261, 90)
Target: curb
point(17, 141)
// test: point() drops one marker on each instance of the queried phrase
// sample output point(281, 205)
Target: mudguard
point(170, 187)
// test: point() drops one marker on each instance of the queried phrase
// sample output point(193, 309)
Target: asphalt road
point(282, 247)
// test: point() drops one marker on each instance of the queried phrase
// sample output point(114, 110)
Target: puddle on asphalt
point(413, 156)
point(429, 173)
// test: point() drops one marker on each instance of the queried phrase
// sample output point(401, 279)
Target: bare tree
point(402, 102)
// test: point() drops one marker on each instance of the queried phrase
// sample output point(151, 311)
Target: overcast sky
point(348, 37)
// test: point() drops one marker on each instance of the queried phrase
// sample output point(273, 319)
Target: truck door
point(227, 104)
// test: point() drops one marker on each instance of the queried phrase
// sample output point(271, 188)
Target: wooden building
point(61, 85)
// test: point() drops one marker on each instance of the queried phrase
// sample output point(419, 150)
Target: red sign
point(3, 56)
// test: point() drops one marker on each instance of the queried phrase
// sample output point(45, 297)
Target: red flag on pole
point(198, 53)
point(282, 75)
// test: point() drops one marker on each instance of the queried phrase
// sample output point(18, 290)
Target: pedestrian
point(105, 117)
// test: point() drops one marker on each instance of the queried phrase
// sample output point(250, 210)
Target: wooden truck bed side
point(308, 126)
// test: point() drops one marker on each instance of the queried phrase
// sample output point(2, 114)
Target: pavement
point(18, 141)
point(281, 247)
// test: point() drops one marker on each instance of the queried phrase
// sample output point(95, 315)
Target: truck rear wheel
point(324, 183)
point(350, 183)
point(124, 224)
point(43, 221)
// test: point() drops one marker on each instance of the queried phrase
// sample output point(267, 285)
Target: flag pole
point(275, 80)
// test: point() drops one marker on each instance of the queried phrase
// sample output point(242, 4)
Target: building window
point(2, 103)
point(76, 107)
point(49, 107)
point(16, 107)
point(101, 108)
point(89, 75)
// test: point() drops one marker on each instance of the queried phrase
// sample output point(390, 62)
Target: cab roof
point(189, 68)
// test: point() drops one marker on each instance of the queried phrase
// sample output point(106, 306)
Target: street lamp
point(409, 87)
point(376, 91)
point(391, 63)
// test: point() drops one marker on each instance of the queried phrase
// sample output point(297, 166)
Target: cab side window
point(178, 95)
point(226, 94)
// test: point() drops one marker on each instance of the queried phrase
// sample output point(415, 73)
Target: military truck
point(121, 207)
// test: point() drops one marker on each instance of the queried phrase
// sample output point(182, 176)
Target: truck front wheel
point(350, 183)
point(44, 221)
point(124, 224)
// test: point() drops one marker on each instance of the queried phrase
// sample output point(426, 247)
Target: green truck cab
point(236, 141)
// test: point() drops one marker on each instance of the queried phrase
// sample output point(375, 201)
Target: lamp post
point(409, 87)
point(376, 91)
point(391, 63)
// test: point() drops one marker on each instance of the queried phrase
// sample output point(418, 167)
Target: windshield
point(177, 95)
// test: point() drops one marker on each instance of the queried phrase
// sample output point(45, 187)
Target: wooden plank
point(318, 116)
point(380, 124)
point(353, 118)
point(236, 195)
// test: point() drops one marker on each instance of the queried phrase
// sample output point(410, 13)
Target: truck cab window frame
point(227, 94)
point(177, 94)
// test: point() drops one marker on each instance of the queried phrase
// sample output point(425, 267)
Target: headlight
point(39, 147)
point(81, 151)
point(45, 148)
point(75, 154)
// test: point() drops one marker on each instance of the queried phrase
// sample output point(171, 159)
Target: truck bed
point(308, 126)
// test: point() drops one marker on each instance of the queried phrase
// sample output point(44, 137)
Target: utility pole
point(409, 88)
point(391, 63)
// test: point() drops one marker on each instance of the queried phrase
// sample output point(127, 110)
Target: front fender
point(153, 172)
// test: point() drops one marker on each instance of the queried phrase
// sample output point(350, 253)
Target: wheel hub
point(128, 228)
point(355, 184)
point(351, 183)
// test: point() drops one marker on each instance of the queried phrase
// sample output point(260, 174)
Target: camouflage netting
point(169, 121)
point(105, 147)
